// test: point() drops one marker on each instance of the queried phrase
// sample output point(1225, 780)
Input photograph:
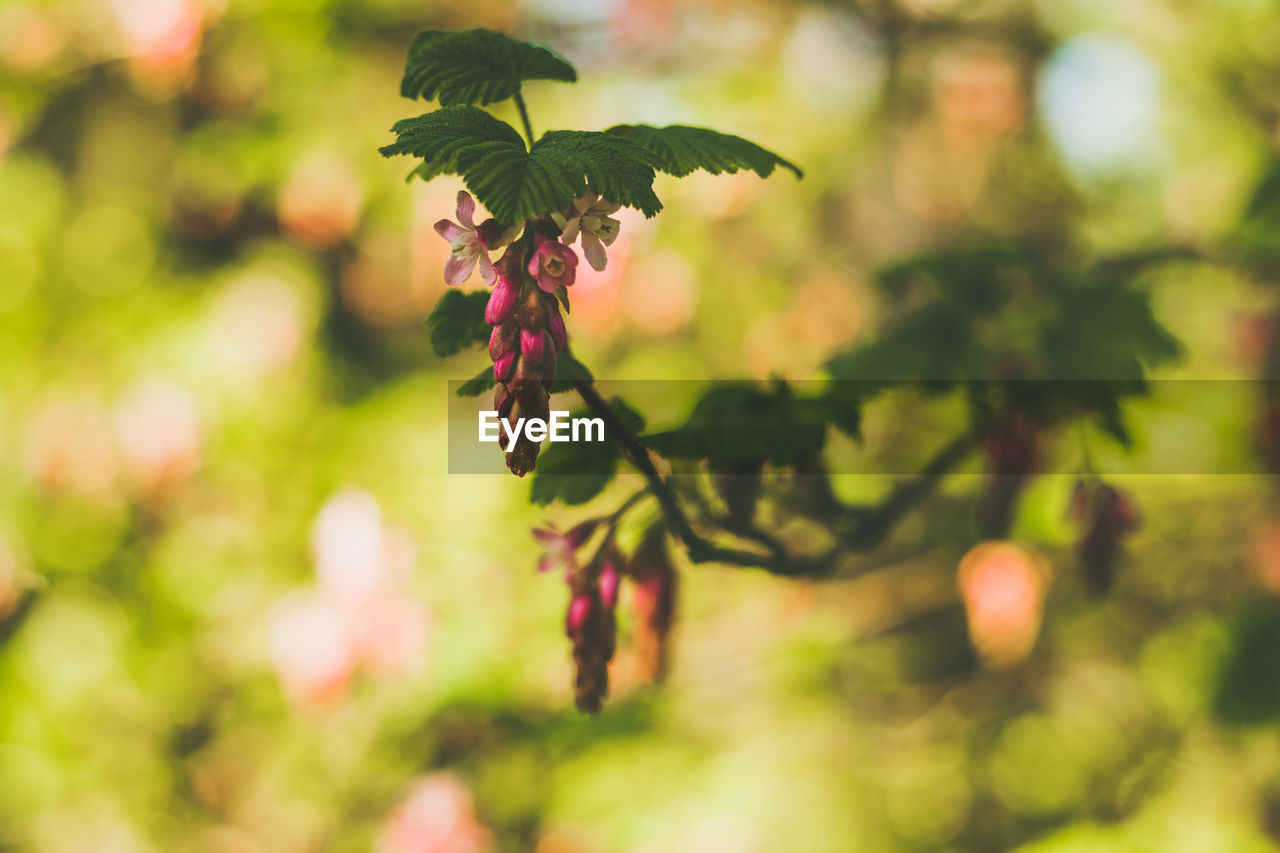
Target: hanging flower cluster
point(1107, 516)
point(594, 586)
point(528, 280)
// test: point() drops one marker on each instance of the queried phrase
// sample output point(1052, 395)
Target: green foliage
point(478, 384)
point(1103, 330)
point(476, 67)
point(575, 472)
point(515, 183)
point(568, 371)
point(457, 322)
point(681, 150)
point(733, 423)
point(1248, 690)
point(1020, 335)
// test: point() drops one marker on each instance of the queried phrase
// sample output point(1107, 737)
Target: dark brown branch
point(700, 550)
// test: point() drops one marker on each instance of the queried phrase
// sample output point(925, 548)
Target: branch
point(873, 523)
point(700, 550)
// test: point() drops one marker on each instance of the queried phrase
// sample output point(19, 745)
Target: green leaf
point(453, 139)
point(575, 472)
point(478, 384)
point(458, 322)
point(934, 344)
point(1104, 330)
point(476, 67)
point(681, 150)
point(516, 184)
point(568, 371)
point(742, 422)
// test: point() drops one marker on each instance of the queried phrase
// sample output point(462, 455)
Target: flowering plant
point(548, 194)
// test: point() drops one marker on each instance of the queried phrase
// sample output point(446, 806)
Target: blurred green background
point(244, 608)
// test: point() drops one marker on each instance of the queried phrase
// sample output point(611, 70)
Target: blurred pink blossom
point(358, 615)
point(321, 201)
point(257, 324)
point(158, 426)
point(438, 816)
point(160, 35)
point(69, 445)
point(311, 647)
point(1003, 588)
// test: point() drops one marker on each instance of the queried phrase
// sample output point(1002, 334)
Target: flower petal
point(594, 250)
point(449, 230)
point(535, 260)
point(487, 272)
point(608, 230)
point(458, 269)
point(570, 229)
point(466, 209)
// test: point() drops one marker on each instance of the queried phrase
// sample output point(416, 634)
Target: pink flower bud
point(609, 585)
point(502, 302)
point(559, 335)
point(502, 339)
point(503, 401)
point(532, 346)
point(579, 610)
point(505, 366)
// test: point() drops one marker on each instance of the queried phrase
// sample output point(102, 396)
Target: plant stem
point(524, 117)
point(700, 550)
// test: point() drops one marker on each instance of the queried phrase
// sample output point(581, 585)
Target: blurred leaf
point(974, 279)
point(1258, 233)
point(935, 345)
point(458, 322)
point(1249, 682)
point(575, 472)
point(1103, 330)
point(680, 150)
point(514, 183)
point(478, 384)
point(743, 422)
point(476, 67)
point(568, 371)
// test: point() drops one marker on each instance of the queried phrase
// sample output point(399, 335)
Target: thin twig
point(700, 550)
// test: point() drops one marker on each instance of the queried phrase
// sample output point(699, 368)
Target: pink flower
point(552, 264)
point(561, 548)
point(468, 248)
point(589, 216)
point(502, 302)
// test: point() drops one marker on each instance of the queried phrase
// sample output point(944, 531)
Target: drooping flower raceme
point(561, 548)
point(552, 264)
point(470, 244)
point(590, 217)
